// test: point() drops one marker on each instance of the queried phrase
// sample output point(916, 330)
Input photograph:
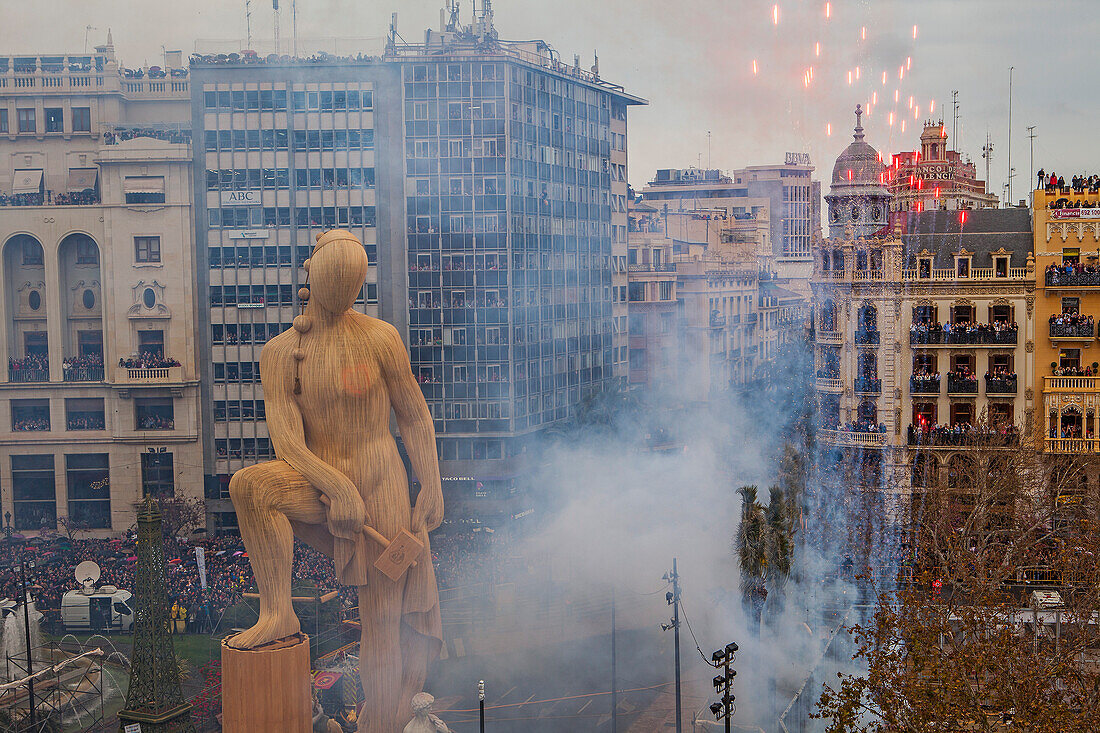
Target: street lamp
point(23, 566)
point(723, 683)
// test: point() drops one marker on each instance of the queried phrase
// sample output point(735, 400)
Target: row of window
point(80, 120)
point(237, 179)
point(150, 413)
point(88, 487)
point(254, 100)
point(238, 410)
point(242, 217)
point(245, 333)
point(279, 139)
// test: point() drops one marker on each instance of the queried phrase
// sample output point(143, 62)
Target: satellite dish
point(87, 573)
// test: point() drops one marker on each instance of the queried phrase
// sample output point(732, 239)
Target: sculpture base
point(267, 689)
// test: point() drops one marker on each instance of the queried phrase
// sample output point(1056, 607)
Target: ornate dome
point(859, 163)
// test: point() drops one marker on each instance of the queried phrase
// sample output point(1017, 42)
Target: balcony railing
point(1072, 445)
point(868, 385)
point(28, 374)
point(828, 337)
point(1071, 330)
point(961, 385)
point(1004, 337)
point(976, 273)
point(867, 337)
point(83, 374)
point(851, 437)
point(157, 375)
point(1072, 384)
point(828, 384)
point(946, 437)
point(1000, 385)
point(1059, 278)
point(924, 386)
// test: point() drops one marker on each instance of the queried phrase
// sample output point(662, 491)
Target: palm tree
point(752, 554)
point(779, 544)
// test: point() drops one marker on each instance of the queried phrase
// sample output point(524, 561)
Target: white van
point(107, 608)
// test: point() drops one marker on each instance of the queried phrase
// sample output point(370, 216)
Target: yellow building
point(1067, 358)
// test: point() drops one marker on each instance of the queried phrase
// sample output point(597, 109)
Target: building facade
point(704, 316)
point(487, 181)
point(925, 339)
point(100, 395)
point(935, 177)
point(1067, 299)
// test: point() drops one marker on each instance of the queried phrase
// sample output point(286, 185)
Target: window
point(151, 342)
point(32, 252)
point(1071, 305)
point(154, 413)
point(147, 249)
point(29, 415)
point(1000, 266)
point(3, 120)
point(89, 344)
point(89, 485)
point(26, 120)
point(55, 122)
point(924, 268)
point(33, 492)
point(157, 475)
point(962, 267)
point(84, 414)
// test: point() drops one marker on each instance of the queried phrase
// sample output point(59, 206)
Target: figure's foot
point(270, 627)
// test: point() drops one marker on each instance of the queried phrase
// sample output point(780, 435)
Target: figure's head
point(337, 270)
point(422, 703)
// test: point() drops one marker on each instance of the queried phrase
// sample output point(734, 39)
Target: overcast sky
point(693, 61)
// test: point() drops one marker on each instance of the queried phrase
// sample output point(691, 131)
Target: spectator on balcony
point(31, 362)
point(31, 423)
point(1042, 179)
point(156, 422)
point(148, 360)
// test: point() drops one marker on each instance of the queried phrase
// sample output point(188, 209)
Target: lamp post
point(723, 683)
point(481, 703)
point(23, 565)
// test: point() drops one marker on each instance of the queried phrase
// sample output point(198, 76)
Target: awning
point(82, 179)
point(27, 181)
point(143, 184)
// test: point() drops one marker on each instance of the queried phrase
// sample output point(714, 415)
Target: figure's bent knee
point(250, 487)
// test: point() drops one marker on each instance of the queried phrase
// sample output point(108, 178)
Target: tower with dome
point(858, 196)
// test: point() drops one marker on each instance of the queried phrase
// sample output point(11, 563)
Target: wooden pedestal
point(267, 689)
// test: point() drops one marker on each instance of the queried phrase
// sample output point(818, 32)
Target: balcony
point(828, 384)
point(829, 337)
point(1058, 277)
point(949, 436)
point(1000, 385)
point(1072, 331)
point(976, 273)
point(1072, 445)
point(924, 385)
point(717, 320)
point(867, 338)
point(82, 374)
point(984, 337)
point(853, 438)
point(28, 374)
point(149, 375)
point(957, 385)
point(868, 385)
point(1072, 384)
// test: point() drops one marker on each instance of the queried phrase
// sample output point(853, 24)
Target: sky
point(693, 60)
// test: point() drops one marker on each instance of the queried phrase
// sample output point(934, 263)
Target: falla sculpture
point(330, 383)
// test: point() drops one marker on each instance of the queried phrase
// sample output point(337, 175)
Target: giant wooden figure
point(339, 483)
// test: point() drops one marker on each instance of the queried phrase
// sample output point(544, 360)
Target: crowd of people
point(121, 134)
point(85, 422)
point(85, 368)
point(251, 57)
point(148, 360)
point(1000, 379)
point(156, 422)
point(1071, 324)
point(461, 557)
point(30, 423)
point(962, 379)
point(962, 433)
point(963, 333)
point(1069, 432)
point(1072, 370)
point(862, 426)
point(33, 365)
point(1072, 273)
point(87, 197)
point(1078, 184)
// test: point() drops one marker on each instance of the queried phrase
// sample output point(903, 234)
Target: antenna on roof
point(248, 22)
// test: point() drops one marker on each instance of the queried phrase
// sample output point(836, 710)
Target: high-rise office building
point(100, 397)
point(487, 181)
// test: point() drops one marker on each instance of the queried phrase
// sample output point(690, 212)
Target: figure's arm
point(416, 426)
point(284, 424)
